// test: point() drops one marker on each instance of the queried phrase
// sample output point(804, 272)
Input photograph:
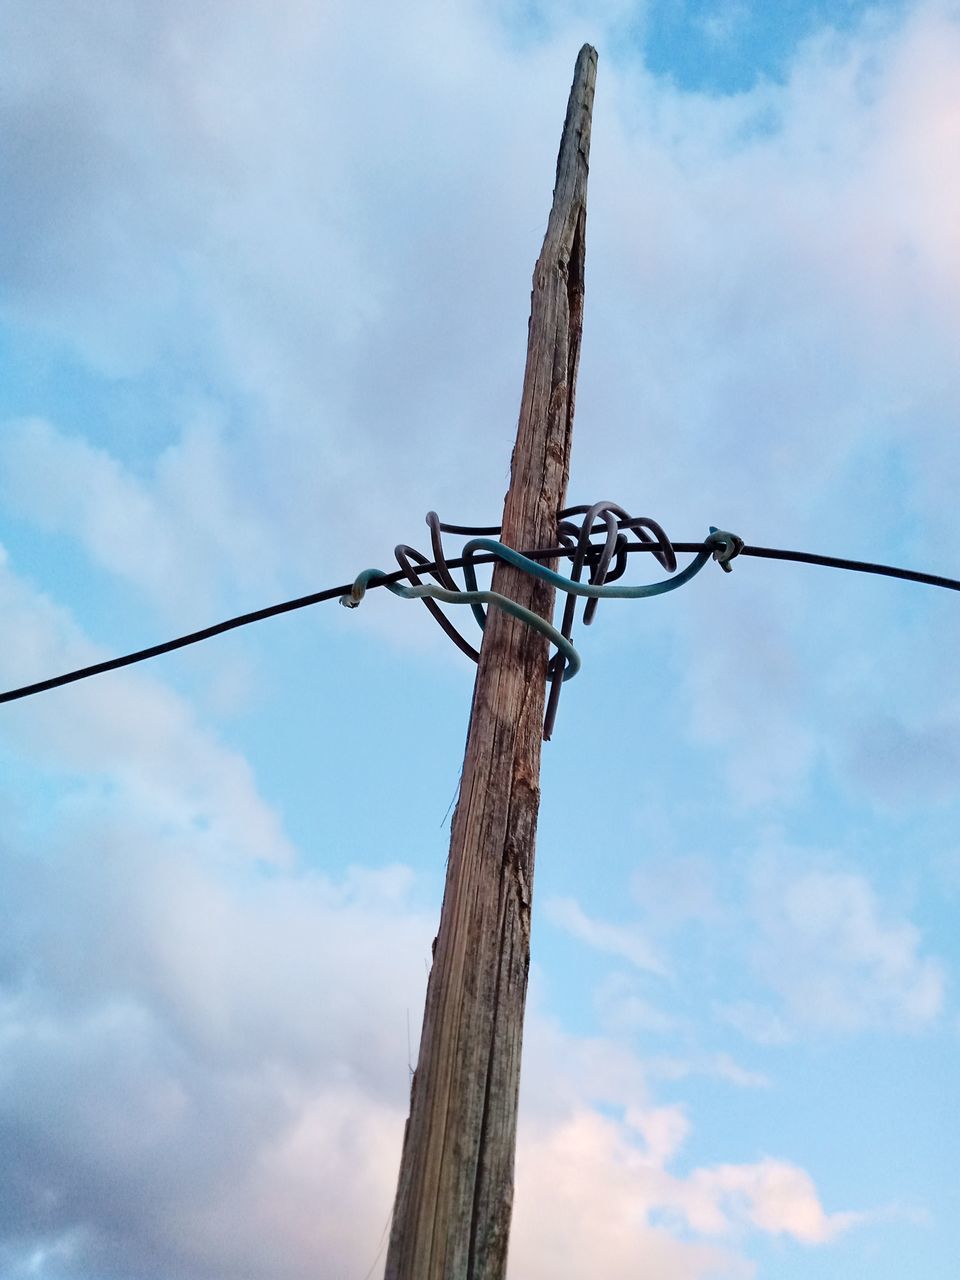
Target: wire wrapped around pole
point(606, 562)
point(543, 553)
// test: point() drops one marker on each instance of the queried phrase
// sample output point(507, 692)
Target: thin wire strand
point(549, 553)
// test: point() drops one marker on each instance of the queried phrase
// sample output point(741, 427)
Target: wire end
point(359, 588)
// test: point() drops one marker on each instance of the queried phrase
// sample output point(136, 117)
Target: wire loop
point(605, 561)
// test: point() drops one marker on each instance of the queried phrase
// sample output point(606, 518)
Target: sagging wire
point(442, 566)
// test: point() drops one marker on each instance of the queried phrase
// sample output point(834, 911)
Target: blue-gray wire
point(722, 546)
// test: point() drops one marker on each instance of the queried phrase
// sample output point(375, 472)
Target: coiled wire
point(605, 562)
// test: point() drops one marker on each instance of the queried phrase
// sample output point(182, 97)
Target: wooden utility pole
point(451, 1216)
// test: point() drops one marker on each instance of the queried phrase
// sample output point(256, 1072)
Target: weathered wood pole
point(451, 1216)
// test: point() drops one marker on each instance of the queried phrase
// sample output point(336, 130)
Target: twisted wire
point(606, 562)
point(543, 553)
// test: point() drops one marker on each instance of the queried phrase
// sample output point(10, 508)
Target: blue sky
point(265, 276)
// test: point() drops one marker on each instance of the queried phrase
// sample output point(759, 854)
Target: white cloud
point(677, 889)
point(623, 1008)
point(764, 1026)
point(721, 1066)
point(838, 959)
point(803, 269)
point(142, 740)
point(748, 690)
point(585, 1194)
point(227, 1063)
point(624, 1012)
point(590, 1170)
point(617, 940)
point(172, 537)
point(900, 762)
point(771, 1195)
point(226, 1057)
point(562, 1072)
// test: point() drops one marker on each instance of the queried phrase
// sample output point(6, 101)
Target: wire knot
point(726, 547)
point(604, 561)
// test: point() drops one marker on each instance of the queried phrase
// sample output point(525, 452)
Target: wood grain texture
point(454, 1198)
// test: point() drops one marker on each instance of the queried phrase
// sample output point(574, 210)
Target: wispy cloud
point(144, 742)
point(839, 959)
point(613, 939)
point(173, 538)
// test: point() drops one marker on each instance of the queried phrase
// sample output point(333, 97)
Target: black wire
point(858, 566)
point(549, 553)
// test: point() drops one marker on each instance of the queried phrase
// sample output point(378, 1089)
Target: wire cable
point(549, 553)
